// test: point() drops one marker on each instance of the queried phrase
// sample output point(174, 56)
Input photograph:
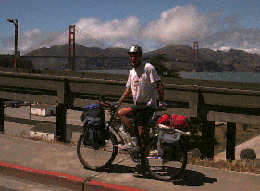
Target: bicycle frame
point(114, 120)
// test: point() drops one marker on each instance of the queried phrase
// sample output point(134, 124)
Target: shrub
point(247, 154)
point(196, 153)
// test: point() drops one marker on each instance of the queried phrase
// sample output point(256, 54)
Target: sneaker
point(125, 146)
point(137, 149)
point(138, 169)
point(154, 153)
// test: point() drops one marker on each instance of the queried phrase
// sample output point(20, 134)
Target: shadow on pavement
point(115, 168)
point(189, 177)
point(193, 178)
point(73, 128)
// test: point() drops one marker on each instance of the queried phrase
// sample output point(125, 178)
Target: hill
point(102, 58)
point(232, 61)
point(169, 58)
point(172, 52)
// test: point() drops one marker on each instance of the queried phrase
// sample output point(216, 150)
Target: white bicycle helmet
point(135, 49)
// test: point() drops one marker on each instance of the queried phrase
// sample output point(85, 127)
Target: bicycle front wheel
point(168, 166)
point(97, 159)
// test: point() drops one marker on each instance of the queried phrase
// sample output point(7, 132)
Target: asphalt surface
point(10, 183)
point(57, 164)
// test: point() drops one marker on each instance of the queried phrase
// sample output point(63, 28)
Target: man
point(142, 83)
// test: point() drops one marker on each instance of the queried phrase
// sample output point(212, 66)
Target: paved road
point(10, 183)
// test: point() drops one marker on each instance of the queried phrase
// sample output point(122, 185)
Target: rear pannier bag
point(167, 137)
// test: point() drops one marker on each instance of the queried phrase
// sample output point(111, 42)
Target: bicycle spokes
point(97, 157)
point(166, 165)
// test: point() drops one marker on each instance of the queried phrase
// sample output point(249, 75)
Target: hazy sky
point(215, 24)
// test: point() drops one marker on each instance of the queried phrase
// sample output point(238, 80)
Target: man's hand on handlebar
point(115, 106)
point(163, 104)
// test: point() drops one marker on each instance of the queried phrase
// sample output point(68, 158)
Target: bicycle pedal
point(125, 147)
point(138, 169)
point(137, 149)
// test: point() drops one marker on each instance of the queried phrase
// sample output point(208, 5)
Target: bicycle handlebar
point(107, 105)
point(158, 108)
point(113, 107)
point(155, 108)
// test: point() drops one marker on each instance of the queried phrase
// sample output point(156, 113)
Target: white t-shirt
point(141, 81)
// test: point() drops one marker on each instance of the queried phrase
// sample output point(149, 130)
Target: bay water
point(219, 76)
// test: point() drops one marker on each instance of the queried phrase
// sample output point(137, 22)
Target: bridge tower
point(71, 60)
point(195, 50)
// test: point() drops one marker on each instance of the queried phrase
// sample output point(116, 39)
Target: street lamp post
point(16, 53)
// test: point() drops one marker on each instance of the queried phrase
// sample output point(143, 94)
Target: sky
point(215, 24)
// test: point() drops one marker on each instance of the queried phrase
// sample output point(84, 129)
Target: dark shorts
point(140, 112)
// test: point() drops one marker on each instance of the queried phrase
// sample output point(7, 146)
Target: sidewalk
point(252, 144)
point(58, 164)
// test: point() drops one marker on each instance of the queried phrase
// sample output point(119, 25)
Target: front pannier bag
point(93, 118)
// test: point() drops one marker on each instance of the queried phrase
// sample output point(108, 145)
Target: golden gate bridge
point(74, 33)
point(59, 39)
point(82, 37)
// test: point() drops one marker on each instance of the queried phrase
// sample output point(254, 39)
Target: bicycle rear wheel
point(169, 166)
point(97, 158)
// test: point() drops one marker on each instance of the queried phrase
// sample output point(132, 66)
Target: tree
point(7, 61)
point(157, 63)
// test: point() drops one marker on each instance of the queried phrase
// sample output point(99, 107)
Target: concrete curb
point(58, 179)
point(101, 185)
point(41, 176)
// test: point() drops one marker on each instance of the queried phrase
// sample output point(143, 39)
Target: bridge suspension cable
point(99, 43)
point(59, 34)
point(45, 42)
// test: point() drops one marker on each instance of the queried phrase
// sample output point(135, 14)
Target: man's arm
point(154, 77)
point(125, 95)
point(160, 90)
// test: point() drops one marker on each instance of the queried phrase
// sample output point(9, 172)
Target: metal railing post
point(2, 116)
point(208, 128)
point(231, 141)
point(65, 101)
point(208, 138)
point(61, 122)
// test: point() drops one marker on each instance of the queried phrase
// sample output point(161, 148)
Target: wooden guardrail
point(200, 100)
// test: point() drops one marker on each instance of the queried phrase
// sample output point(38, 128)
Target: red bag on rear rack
point(175, 121)
point(180, 122)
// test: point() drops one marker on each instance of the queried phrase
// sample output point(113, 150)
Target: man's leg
point(123, 113)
